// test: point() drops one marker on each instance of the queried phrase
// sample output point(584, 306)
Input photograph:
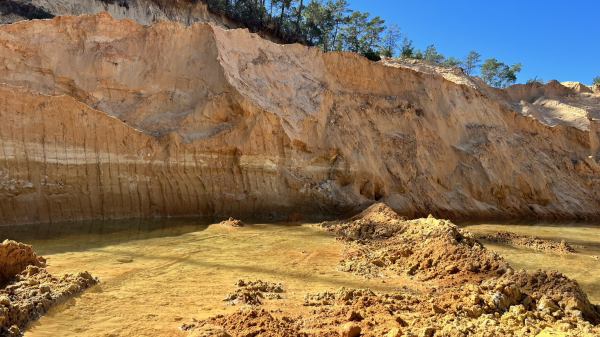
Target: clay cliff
point(186, 12)
point(107, 118)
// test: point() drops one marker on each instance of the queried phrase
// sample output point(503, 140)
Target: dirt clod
point(231, 222)
point(15, 258)
point(33, 291)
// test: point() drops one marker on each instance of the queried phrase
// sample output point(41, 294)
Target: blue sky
point(552, 39)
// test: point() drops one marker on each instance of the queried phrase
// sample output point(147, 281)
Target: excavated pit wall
point(105, 118)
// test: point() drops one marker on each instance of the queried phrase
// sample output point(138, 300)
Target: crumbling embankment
point(105, 118)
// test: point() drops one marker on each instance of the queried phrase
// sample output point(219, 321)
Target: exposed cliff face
point(186, 12)
point(124, 120)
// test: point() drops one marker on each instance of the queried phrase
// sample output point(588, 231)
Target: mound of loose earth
point(508, 305)
point(251, 292)
point(530, 242)
point(231, 222)
point(32, 290)
point(15, 257)
point(473, 290)
point(426, 249)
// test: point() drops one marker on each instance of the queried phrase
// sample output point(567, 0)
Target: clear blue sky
point(552, 39)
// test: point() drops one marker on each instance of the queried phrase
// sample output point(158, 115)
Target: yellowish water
point(580, 265)
point(157, 274)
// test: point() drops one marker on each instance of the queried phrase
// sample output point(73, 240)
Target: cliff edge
point(109, 118)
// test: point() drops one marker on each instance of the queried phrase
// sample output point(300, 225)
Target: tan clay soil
point(123, 120)
point(530, 242)
point(251, 292)
point(32, 291)
point(473, 291)
point(426, 249)
point(231, 222)
point(15, 257)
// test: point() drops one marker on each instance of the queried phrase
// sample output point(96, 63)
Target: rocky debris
point(466, 310)
point(252, 322)
point(251, 292)
point(530, 242)
point(233, 223)
point(350, 330)
point(426, 249)
point(33, 292)
point(16, 257)
point(294, 217)
point(473, 291)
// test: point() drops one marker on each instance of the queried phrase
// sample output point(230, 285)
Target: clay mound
point(243, 323)
point(251, 292)
point(16, 257)
point(548, 292)
point(377, 221)
point(426, 249)
point(34, 292)
point(231, 222)
point(530, 242)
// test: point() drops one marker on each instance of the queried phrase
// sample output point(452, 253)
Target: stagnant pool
point(157, 274)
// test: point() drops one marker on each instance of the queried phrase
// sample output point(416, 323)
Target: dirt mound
point(251, 292)
point(530, 242)
point(243, 323)
point(377, 221)
point(231, 222)
point(33, 292)
point(425, 248)
point(500, 307)
point(471, 291)
point(16, 257)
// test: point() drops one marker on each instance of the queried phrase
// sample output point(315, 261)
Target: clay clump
point(16, 257)
point(32, 291)
point(232, 223)
point(251, 292)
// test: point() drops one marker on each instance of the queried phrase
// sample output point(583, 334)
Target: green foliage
point(432, 55)
point(596, 80)
point(332, 25)
point(471, 62)
point(390, 41)
point(498, 74)
point(451, 62)
point(407, 49)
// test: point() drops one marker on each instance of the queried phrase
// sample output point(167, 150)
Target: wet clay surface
point(490, 300)
point(159, 277)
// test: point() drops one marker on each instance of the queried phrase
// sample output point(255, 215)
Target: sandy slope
point(209, 121)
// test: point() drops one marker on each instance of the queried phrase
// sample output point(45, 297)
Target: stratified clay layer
point(105, 118)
